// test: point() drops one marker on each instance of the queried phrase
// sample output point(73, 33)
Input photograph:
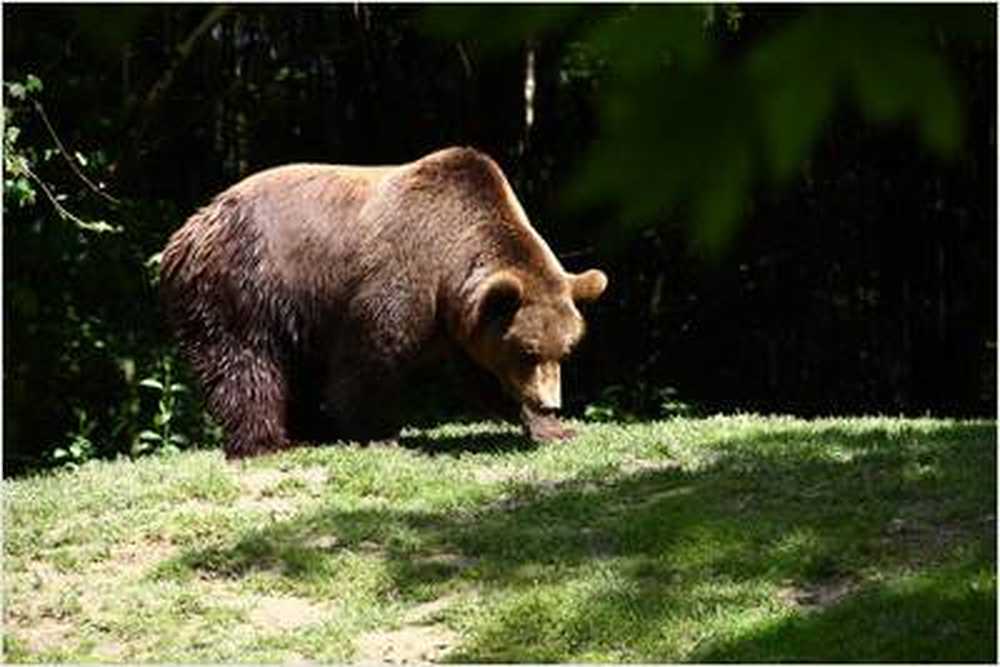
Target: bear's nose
point(549, 386)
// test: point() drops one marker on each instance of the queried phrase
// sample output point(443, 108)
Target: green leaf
point(644, 39)
point(33, 84)
point(150, 436)
point(16, 90)
point(795, 74)
point(152, 383)
point(898, 73)
point(16, 165)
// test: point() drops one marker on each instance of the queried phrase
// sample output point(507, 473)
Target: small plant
point(671, 404)
point(628, 404)
point(610, 407)
point(17, 184)
point(163, 437)
point(80, 448)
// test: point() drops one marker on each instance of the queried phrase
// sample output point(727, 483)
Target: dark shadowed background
point(796, 204)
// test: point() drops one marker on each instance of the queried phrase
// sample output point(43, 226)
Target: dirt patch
point(137, 559)
point(421, 639)
point(44, 619)
point(324, 543)
point(44, 634)
point(817, 597)
point(109, 652)
point(262, 490)
point(285, 613)
point(264, 483)
point(408, 645)
point(47, 617)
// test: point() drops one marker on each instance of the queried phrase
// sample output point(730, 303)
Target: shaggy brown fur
point(304, 294)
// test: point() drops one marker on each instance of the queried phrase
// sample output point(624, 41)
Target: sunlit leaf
point(33, 84)
point(151, 383)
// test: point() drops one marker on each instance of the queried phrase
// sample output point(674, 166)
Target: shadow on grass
point(946, 615)
point(663, 563)
point(477, 442)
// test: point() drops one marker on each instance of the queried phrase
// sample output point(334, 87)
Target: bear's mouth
point(540, 411)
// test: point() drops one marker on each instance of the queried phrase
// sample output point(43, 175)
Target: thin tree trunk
point(529, 99)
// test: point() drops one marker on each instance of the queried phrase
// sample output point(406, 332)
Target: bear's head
point(525, 326)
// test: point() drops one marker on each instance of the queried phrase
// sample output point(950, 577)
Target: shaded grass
point(727, 539)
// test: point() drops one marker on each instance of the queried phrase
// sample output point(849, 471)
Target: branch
point(69, 159)
point(181, 55)
point(64, 213)
point(529, 98)
point(466, 62)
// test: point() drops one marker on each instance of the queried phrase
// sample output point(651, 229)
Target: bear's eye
point(528, 357)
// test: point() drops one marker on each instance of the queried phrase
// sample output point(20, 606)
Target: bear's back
point(308, 215)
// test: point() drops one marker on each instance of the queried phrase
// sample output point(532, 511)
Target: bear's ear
point(500, 297)
point(589, 285)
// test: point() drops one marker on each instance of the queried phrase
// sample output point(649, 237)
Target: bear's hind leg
point(249, 398)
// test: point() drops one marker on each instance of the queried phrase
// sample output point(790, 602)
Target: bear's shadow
point(452, 444)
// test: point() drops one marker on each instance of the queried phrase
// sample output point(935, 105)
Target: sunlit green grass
point(727, 539)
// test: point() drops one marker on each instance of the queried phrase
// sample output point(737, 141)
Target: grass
point(739, 538)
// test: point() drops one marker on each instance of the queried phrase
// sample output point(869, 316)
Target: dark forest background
point(796, 205)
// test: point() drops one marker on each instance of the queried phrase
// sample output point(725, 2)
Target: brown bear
point(304, 294)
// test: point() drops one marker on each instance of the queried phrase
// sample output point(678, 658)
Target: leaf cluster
point(700, 107)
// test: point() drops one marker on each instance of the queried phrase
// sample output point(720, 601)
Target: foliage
point(728, 539)
point(80, 448)
point(74, 346)
point(163, 436)
point(690, 125)
point(17, 184)
point(630, 403)
point(20, 162)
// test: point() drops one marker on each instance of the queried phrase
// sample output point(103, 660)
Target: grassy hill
point(739, 538)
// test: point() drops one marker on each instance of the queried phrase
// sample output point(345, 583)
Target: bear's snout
point(546, 391)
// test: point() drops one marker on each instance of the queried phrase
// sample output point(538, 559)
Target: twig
point(65, 213)
point(466, 63)
point(68, 158)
